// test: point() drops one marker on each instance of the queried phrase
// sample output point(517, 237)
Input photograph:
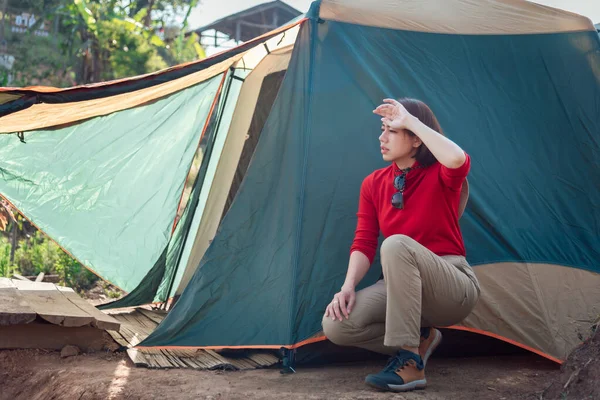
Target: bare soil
point(35, 374)
point(579, 377)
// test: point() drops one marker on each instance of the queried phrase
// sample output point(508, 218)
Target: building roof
point(254, 21)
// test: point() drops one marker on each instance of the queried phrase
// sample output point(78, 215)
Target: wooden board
point(6, 283)
point(33, 286)
point(118, 338)
point(20, 277)
point(22, 301)
point(137, 324)
point(145, 321)
point(53, 337)
point(138, 358)
point(49, 303)
point(13, 308)
point(153, 315)
point(100, 320)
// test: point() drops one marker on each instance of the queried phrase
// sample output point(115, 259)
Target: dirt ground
point(580, 375)
point(34, 374)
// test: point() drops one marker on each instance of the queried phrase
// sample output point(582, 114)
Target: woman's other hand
point(342, 304)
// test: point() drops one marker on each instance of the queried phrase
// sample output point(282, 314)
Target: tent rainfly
point(284, 128)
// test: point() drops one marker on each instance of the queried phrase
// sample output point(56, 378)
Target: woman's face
point(397, 144)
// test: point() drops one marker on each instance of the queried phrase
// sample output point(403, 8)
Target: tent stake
point(288, 359)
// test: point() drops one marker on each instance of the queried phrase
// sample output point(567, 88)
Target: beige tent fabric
point(478, 17)
point(44, 115)
point(544, 307)
point(257, 54)
point(211, 215)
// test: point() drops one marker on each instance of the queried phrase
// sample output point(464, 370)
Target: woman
point(426, 279)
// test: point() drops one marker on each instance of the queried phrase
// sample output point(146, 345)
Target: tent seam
point(295, 260)
point(206, 123)
point(207, 156)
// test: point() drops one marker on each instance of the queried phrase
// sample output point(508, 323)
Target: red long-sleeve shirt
point(430, 213)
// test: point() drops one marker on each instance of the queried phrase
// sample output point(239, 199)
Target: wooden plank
point(47, 278)
point(219, 361)
point(101, 320)
point(40, 277)
point(14, 309)
point(162, 361)
point(157, 361)
point(205, 359)
point(131, 329)
point(118, 338)
point(34, 286)
point(190, 353)
point(134, 326)
point(217, 356)
point(153, 315)
point(126, 333)
point(188, 357)
point(138, 358)
point(263, 359)
point(152, 361)
point(132, 337)
point(173, 359)
point(47, 336)
point(119, 317)
point(192, 363)
point(20, 277)
point(144, 321)
point(49, 303)
point(6, 283)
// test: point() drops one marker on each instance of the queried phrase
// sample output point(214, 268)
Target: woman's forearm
point(444, 150)
point(357, 269)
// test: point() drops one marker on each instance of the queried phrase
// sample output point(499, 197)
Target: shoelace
point(401, 359)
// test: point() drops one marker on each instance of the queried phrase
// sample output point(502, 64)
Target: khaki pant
point(419, 289)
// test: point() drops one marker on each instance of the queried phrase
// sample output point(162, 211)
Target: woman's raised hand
point(342, 304)
point(393, 114)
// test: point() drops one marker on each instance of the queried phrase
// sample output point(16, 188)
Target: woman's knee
point(336, 331)
point(394, 247)
point(396, 242)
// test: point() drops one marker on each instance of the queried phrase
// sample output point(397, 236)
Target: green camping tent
point(283, 125)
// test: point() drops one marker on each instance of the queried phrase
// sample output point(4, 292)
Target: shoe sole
point(416, 385)
point(436, 342)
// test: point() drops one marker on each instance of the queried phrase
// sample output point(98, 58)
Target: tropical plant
point(99, 40)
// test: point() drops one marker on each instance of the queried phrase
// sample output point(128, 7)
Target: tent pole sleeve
point(219, 118)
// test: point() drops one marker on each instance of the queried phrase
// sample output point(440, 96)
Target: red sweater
point(429, 216)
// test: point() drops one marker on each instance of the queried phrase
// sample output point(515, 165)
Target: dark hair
point(422, 111)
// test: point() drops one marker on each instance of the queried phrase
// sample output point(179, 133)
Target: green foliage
point(128, 54)
point(99, 40)
point(72, 273)
point(39, 254)
point(6, 269)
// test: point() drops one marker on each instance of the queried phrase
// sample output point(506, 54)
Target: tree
point(99, 40)
point(118, 43)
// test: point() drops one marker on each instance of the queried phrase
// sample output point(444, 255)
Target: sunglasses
point(398, 197)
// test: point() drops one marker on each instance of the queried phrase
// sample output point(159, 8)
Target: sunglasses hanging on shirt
point(400, 185)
